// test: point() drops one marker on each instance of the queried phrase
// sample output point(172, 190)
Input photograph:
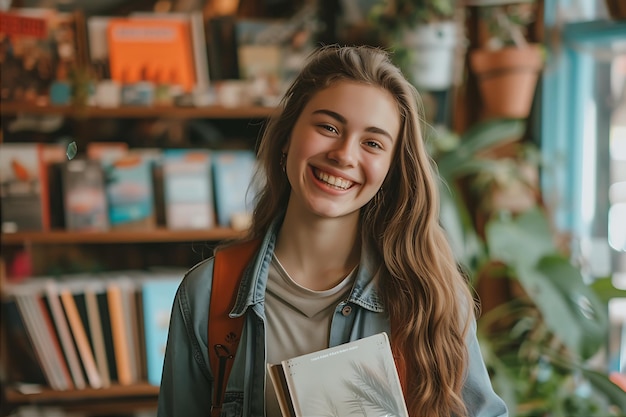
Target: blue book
point(157, 299)
point(188, 194)
point(233, 171)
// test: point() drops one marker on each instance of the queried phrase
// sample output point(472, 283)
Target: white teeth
point(337, 182)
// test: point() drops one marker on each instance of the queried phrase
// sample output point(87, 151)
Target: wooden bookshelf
point(209, 112)
point(120, 236)
point(112, 400)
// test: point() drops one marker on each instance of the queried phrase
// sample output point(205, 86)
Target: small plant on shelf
point(402, 14)
point(424, 36)
point(506, 62)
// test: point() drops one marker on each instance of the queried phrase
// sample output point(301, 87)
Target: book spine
point(18, 350)
point(132, 329)
point(107, 333)
point(120, 338)
point(45, 361)
point(44, 185)
point(142, 356)
point(60, 363)
point(80, 337)
point(95, 328)
point(65, 335)
point(198, 39)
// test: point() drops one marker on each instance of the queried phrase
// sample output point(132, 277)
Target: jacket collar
point(254, 281)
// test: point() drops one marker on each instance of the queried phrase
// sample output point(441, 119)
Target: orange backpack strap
point(224, 332)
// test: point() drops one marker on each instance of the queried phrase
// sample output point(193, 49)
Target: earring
point(283, 161)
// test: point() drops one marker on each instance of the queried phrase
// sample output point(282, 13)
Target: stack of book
point(89, 331)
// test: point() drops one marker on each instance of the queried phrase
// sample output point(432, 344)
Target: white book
point(356, 378)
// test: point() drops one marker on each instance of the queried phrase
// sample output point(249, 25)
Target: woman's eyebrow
point(332, 114)
point(343, 120)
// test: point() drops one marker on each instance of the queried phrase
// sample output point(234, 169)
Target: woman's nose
point(344, 153)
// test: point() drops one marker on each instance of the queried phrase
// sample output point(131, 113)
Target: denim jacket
point(187, 381)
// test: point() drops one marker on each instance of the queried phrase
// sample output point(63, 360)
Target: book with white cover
point(65, 335)
point(355, 378)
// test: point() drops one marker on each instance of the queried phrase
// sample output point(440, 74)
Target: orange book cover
point(118, 328)
point(141, 49)
point(81, 339)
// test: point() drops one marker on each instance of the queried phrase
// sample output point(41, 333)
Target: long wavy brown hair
point(428, 301)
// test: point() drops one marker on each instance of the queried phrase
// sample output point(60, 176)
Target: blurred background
point(127, 146)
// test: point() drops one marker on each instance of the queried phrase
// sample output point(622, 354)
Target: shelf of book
point(120, 236)
point(113, 399)
point(209, 112)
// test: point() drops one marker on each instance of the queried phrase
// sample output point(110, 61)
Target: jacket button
point(346, 310)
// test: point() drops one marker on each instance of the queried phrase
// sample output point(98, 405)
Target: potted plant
point(540, 321)
point(505, 63)
point(424, 35)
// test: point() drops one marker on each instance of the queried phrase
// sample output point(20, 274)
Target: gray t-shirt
point(297, 320)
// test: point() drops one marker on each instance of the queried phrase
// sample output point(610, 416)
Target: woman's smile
point(333, 181)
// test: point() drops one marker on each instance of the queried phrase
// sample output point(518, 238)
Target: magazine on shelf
point(355, 378)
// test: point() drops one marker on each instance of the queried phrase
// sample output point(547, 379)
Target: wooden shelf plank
point(113, 393)
point(209, 112)
point(116, 399)
point(120, 236)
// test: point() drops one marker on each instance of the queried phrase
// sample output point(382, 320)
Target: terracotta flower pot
point(617, 9)
point(507, 79)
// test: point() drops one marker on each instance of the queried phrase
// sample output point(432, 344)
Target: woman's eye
point(373, 144)
point(329, 128)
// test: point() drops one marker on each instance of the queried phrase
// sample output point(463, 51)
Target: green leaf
point(570, 307)
point(605, 289)
point(615, 394)
point(479, 137)
point(522, 241)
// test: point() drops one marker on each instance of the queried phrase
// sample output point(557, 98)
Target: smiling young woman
point(350, 245)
